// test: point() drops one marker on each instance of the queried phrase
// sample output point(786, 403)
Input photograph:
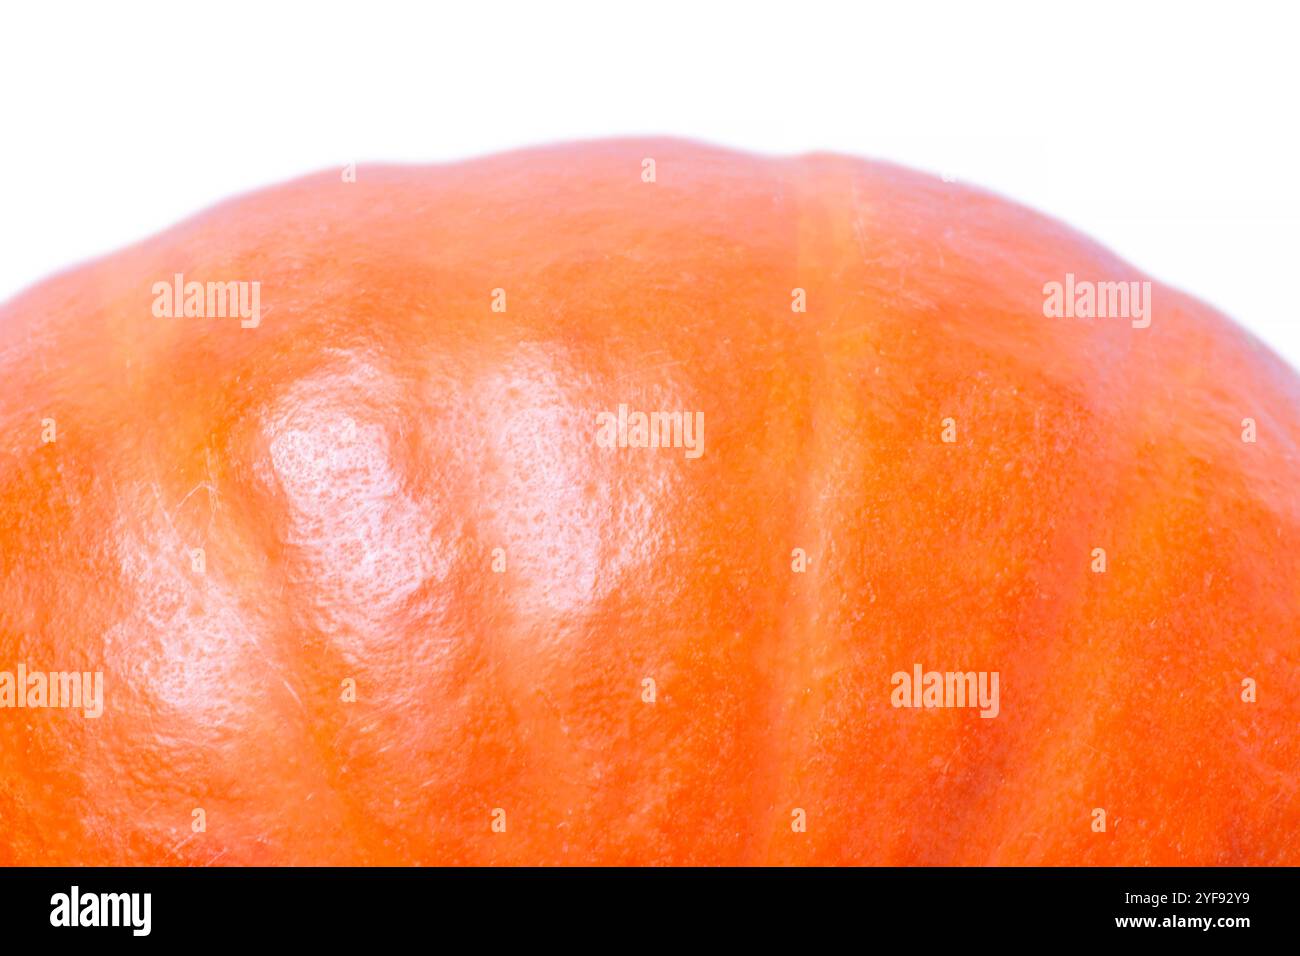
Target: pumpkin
point(642, 502)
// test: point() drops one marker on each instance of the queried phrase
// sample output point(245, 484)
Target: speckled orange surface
point(350, 466)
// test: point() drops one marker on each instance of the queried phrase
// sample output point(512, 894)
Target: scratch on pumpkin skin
point(201, 484)
point(292, 693)
point(859, 227)
point(210, 487)
point(176, 850)
point(157, 495)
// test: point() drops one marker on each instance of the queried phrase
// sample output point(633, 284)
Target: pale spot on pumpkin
point(363, 547)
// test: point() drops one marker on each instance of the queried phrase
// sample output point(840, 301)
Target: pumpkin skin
point(349, 466)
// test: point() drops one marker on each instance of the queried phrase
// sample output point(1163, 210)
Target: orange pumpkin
point(375, 570)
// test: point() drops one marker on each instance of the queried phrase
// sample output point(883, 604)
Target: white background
point(1166, 131)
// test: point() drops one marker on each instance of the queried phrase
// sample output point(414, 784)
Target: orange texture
point(351, 466)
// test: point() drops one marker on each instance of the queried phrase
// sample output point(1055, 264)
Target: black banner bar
point(1169, 907)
